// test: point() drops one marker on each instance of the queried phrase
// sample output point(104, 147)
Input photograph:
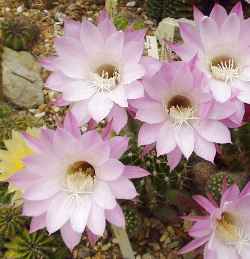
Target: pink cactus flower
point(221, 43)
point(73, 181)
point(180, 115)
point(225, 230)
point(97, 69)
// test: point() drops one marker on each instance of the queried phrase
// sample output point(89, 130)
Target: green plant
point(19, 34)
point(38, 245)
point(159, 9)
point(132, 221)
point(11, 221)
point(5, 196)
point(120, 22)
point(215, 184)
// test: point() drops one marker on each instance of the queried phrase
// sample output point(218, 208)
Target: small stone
point(147, 256)
point(40, 115)
point(22, 83)
point(131, 4)
point(19, 9)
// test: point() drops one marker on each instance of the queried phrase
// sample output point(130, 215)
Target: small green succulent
point(215, 184)
point(5, 196)
point(38, 245)
point(11, 221)
point(19, 34)
point(132, 221)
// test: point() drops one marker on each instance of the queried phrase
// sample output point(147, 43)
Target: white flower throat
point(224, 68)
point(180, 110)
point(79, 178)
point(232, 233)
point(106, 78)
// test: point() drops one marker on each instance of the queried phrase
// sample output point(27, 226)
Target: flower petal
point(103, 195)
point(96, 221)
point(116, 216)
point(99, 107)
point(184, 137)
point(70, 237)
point(111, 170)
point(166, 139)
point(148, 133)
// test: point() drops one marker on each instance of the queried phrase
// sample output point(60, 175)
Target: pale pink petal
point(119, 118)
point(166, 139)
point(105, 25)
point(151, 66)
point(238, 10)
point(204, 203)
point(221, 111)
point(221, 90)
point(231, 194)
point(219, 14)
point(200, 229)
point(103, 195)
point(99, 107)
point(35, 208)
point(119, 146)
point(123, 189)
point(174, 158)
point(70, 237)
point(134, 172)
point(80, 112)
point(190, 34)
point(59, 212)
point(198, 15)
point(80, 213)
point(209, 32)
point(49, 63)
point(116, 216)
point(111, 170)
point(91, 237)
point(204, 148)
point(184, 137)
point(96, 154)
point(148, 133)
point(133, 51)
point(72, 28)
point(244, 96)
point(214, 131)
point(132, 72)
point(95, 42)
point(116, 39)
point(152, 114)
point(44, 189)
point(118, 96)
point(134, 90)
point(38, 223)
point(71, 125)
point(230, 27)
point(57, 80)
point(194, 244)
point(96, 221)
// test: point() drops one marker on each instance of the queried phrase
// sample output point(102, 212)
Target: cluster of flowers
point(71, 181)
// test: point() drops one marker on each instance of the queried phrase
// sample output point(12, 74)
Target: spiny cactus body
point(215, 184)
point(19, 34)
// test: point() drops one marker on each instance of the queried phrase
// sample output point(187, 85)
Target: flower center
point(232, 233)
point(180, 110)
point(107, 77)
point(224, 68)
point(80, 178)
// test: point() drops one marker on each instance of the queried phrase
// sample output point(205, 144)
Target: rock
point(131, 4)
point(22, 83)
